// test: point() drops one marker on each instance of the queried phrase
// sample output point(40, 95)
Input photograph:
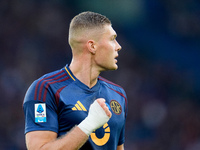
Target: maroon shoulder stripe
point(57, 95)
point(45, 81)
point(52, 82)
point(105, 80)
point(38, 83)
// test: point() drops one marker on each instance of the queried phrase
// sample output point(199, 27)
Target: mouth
point(116, 59)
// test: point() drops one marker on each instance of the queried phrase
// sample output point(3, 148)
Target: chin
point(111, 67)
point(115, 67)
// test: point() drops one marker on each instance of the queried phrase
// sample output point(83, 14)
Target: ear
point(91, 45)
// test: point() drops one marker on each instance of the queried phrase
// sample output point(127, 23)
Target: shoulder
point(52, 76)
point(48, 83)
point(111, 85)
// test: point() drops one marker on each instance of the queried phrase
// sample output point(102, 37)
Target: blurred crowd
point(158, 65)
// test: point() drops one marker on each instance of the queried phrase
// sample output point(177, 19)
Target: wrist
point(86, 126)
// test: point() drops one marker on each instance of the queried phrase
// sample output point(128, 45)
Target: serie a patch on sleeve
point(40, 113)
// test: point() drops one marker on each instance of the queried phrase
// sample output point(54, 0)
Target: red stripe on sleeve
point(57, 95)
point(49, 83)
point(38, 83)
point(45, 81)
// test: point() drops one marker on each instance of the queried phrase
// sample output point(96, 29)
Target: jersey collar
point(79, 83)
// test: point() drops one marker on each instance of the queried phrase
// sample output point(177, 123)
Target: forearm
point(73, 140)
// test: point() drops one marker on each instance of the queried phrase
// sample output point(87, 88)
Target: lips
point(116, 59)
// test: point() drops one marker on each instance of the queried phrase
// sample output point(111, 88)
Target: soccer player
point(74, 108)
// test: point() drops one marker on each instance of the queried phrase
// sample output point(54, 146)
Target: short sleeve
point(40, 115)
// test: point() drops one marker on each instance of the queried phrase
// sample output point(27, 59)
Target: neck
point(83, 70)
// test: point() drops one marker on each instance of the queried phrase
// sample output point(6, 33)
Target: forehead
point(109, 31)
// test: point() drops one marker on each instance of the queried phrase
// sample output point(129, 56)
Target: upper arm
point(40, 115)
point(36, 139)
point(120, 147)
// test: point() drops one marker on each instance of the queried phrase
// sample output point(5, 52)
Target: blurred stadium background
point(158, 65)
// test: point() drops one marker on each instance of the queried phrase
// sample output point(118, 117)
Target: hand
point(102, 103)
point(98, 115)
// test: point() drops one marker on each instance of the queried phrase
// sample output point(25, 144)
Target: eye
point(113, 37)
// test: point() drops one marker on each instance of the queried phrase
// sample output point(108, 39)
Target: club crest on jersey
point(116, 107)
point(40, 113)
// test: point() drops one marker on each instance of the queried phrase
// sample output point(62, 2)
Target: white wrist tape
point(95, 119)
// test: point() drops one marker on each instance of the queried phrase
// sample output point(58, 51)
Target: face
point(107, 50)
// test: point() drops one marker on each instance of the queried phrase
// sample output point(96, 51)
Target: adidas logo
point(79, 106)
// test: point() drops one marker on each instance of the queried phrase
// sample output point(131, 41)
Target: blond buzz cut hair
point(86, 21)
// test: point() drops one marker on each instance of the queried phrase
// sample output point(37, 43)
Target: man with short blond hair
point(74, 108)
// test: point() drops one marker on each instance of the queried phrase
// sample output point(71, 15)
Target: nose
point(118, 47)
